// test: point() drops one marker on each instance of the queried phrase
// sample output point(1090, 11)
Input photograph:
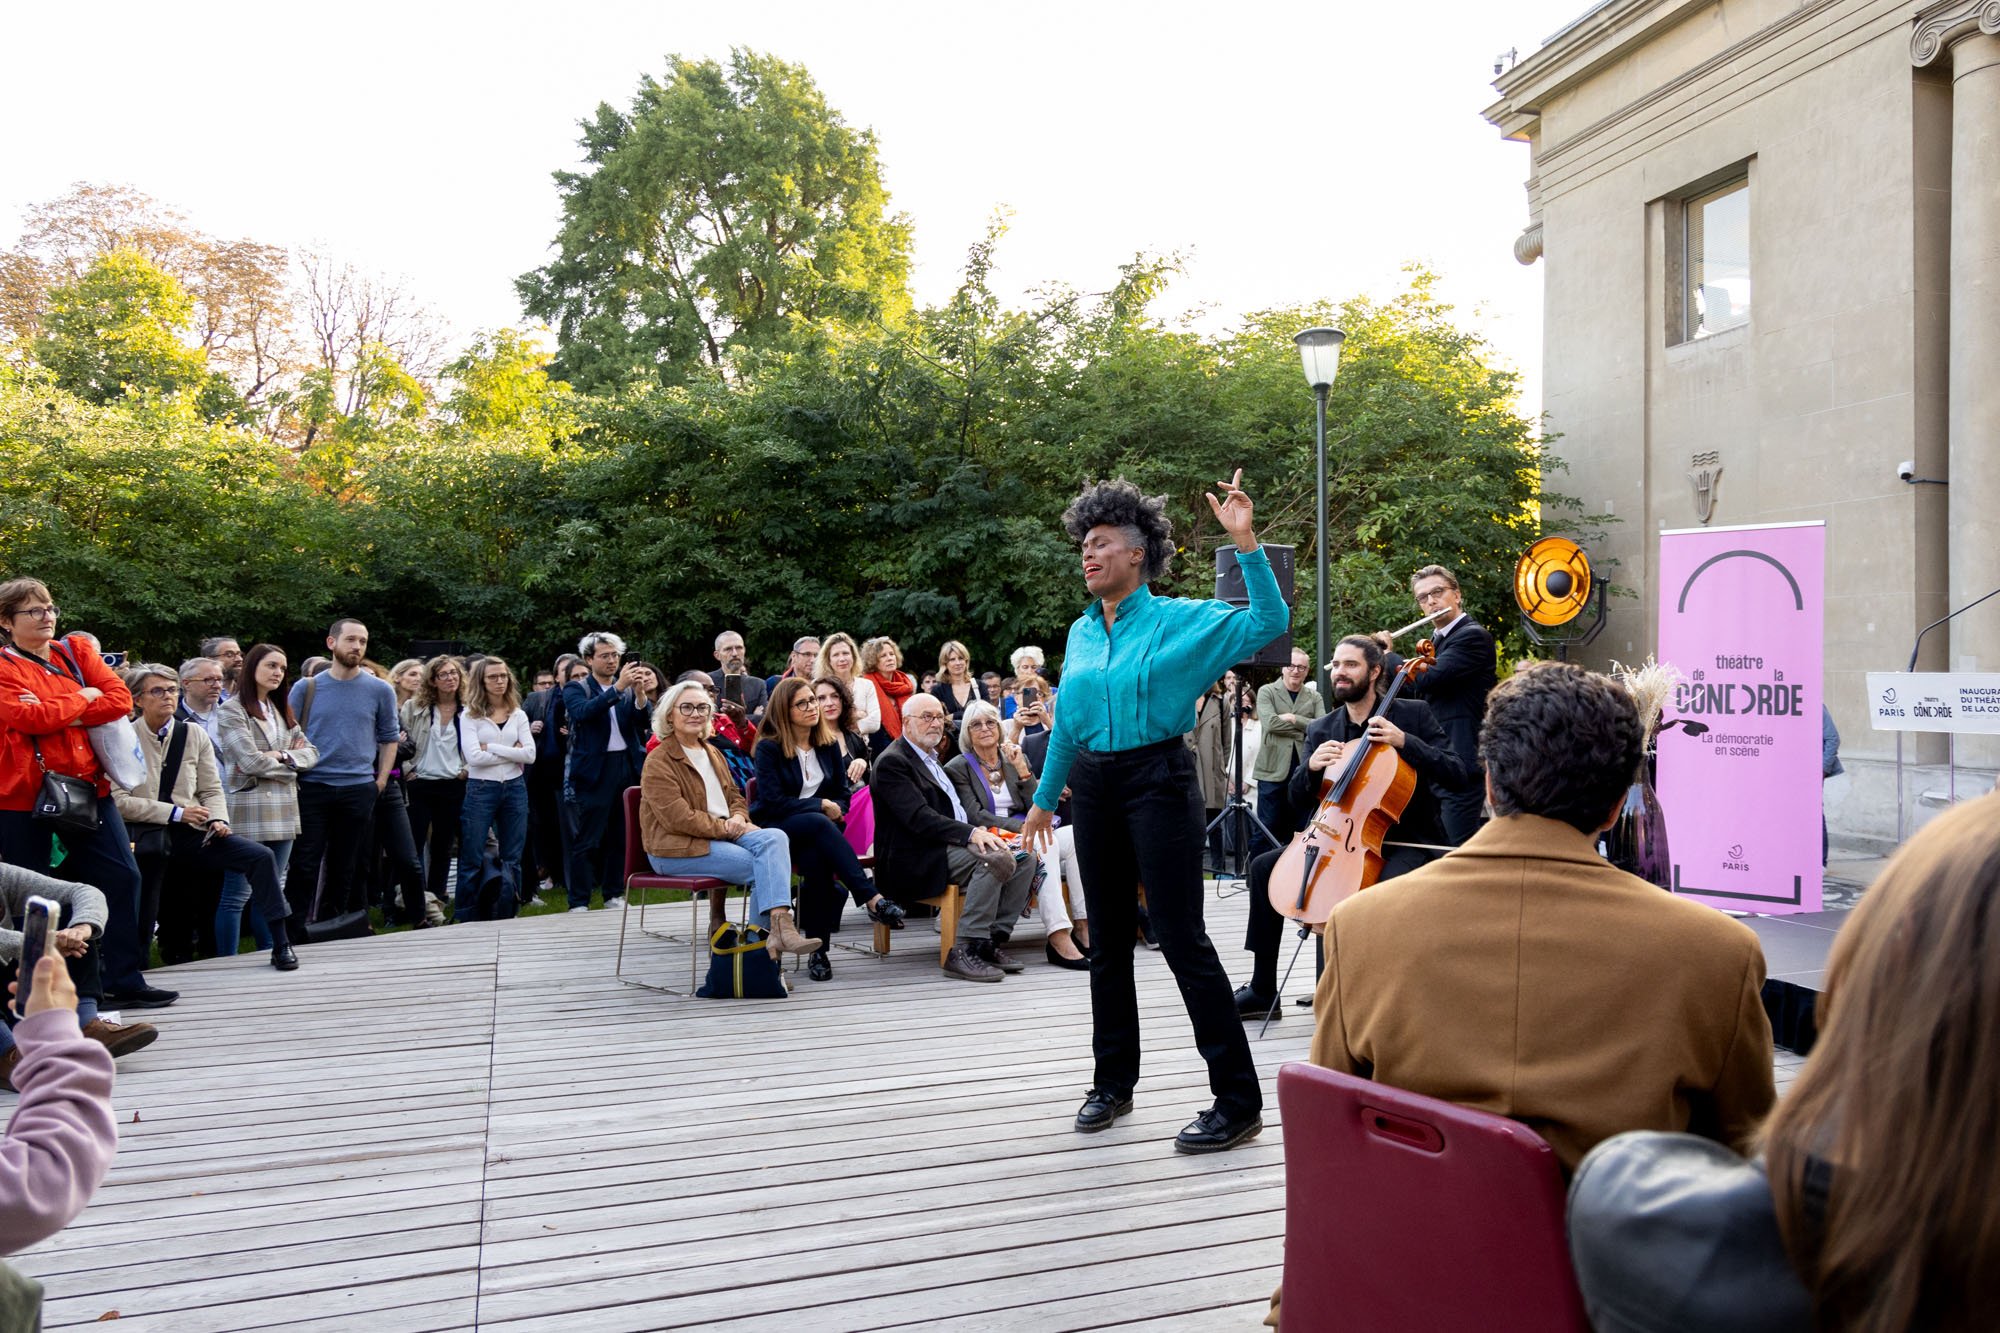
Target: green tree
point(715, 211)
point(501, 386)
point(120, 331)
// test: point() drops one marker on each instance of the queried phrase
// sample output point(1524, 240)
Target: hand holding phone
point(39, 922)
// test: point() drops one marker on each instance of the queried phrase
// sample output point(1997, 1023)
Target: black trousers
point(182, 889)
point(398, 851)
point(1266, 928)
point(1139, 821)
point(1462, 812)
point(102, 860)
point(828, 871)
point(333, 826)
point(595, 820)
point(545, 844)
point(435, 805)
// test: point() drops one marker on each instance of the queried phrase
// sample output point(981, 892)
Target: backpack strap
point(170, 767)
point(306, 704)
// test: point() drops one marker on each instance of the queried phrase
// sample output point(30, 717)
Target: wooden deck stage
point(478, 1127)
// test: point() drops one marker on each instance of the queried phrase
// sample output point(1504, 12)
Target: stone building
point(1770, 232)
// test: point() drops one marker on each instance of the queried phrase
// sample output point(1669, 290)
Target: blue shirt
point(1137, 682)
point(350, 719)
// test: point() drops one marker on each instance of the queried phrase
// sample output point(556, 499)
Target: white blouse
point(810, 773)
point(867, 706)
point(510, 747)
point(699, 761)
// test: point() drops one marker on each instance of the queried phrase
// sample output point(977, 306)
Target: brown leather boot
point(121, 1038)
point(785, 937)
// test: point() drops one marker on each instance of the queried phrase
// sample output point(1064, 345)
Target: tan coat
point(198, 782)
point(673, 805)
point(1522, 974)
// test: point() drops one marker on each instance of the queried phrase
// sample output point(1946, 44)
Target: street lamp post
point(1319, 350)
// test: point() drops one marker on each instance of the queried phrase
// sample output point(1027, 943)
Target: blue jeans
point(761, 858)
point(488, 804)
point(229, 913)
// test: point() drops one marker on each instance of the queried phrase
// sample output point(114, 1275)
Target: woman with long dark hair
point(1128, 700)
point(434, 720)
point(266, 751)
point(836, 707)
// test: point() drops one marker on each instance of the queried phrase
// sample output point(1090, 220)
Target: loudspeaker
point(1229, 588)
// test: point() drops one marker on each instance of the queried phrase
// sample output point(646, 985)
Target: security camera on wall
point(1906, 470)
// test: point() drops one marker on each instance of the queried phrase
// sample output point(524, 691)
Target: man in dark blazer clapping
point(1455, 688)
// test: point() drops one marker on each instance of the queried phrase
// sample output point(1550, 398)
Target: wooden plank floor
point(478, 1127)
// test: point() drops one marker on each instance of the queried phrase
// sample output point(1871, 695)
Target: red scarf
point(893, 690)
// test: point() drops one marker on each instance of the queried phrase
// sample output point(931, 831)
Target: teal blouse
point(1138, 682)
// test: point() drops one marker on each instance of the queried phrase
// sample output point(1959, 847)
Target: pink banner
point(1742, 613)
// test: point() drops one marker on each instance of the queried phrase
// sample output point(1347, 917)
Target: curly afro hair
point(1561, 742)
point(1119, 504)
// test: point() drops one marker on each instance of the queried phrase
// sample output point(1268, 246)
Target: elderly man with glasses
point(925, 840)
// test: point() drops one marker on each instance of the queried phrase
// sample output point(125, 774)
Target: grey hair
point(976, 711)
point(145, 671)
point(194, 664)
point(1142, 518)
point(211, 646)
point(1030, 653)
point(590, 643)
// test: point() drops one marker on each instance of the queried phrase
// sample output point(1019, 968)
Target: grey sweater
point(81, 905)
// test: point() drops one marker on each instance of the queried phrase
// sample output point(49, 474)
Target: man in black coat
point(1360, 678)
point(1455, 688)
point(923, 841)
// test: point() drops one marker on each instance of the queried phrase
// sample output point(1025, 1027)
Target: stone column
point(1975, 362)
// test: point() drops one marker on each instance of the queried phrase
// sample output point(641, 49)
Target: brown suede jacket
point(673, 806)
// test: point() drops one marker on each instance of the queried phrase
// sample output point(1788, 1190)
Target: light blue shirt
point(1137, 683)
point(943, 779)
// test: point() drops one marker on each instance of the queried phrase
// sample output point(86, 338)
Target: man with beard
point(349, 715)
point(1359, 681)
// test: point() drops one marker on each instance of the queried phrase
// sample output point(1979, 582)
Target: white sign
point(1959, 701)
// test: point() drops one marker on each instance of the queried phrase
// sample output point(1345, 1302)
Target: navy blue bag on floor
point(740, 967)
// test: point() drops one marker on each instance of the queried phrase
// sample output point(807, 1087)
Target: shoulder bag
point(65, 803)
point(155, 840)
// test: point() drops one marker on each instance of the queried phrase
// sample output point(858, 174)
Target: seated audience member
point(693, 819)
point(836, 705)
point(732, 733)
point(840, 658)
point(802, 791)
point(996, 784)
point(925, 840)
point(62, 1134)
point(1035, 749)
point(732, 678)
point(881, 665)
point(265, 751)
point(84, 914)
point(179, 821)
point(955, 686)
point(1032, 700)
point(1524, 975)
point(1873, 1206)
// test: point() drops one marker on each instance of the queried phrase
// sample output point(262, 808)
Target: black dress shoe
point(819, 967)
point(146, 997)
point(1073, 964)
point(284, 957)
point(1213, 1131)
point(1249, 1004)
point(990, 951)
point(1100, 1109)
point(884, 912)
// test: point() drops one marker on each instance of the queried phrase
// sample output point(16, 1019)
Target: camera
point(1906, 470)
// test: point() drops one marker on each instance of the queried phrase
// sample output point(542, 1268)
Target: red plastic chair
point(639, 877)
point(1407, 1213)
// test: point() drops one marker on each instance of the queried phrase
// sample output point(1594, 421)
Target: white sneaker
point(615, 900)
point(574, 910)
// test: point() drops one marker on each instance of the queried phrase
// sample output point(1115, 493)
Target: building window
point(1717, 229)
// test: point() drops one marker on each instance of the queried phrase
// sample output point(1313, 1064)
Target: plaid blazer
point(263, 794)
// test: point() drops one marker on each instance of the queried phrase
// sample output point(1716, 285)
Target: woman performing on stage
point(1135, 667)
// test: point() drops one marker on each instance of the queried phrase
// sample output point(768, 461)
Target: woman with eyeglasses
point(802, 790)
point(693, 819)
point(435, 776)
point(50, 693)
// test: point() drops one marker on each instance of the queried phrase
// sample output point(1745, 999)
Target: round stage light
point(1552, 581)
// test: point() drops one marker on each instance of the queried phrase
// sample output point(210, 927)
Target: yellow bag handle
point(715, 940)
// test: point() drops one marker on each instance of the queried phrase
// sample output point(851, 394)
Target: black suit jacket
point(914, 826)
point(1438, 767)
point(753, 693)
point(1457, 686)
point(781, 783)
point(592, 711)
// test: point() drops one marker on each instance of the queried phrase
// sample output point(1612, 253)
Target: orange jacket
point(57, 720)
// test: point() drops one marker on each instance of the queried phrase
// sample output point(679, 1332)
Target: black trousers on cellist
point(1265, 930)
point(1139, 821)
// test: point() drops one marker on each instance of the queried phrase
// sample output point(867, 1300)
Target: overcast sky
point(1292, 151)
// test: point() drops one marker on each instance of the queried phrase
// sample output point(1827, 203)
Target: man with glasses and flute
point(1455, 688)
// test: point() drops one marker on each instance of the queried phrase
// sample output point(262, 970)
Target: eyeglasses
point(39, 612)
point(693, 710)
point(163, 691)
point(1431, 595)
point(805, 701)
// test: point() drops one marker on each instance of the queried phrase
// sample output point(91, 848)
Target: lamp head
point(1319, 351)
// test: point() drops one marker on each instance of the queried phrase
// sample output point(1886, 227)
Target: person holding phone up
point(76, 940)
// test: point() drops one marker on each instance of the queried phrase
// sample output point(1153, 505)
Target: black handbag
point(155, 840)
point(65, 804)
point(740, 967)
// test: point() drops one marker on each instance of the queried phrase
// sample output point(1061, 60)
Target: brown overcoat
point(673, 807)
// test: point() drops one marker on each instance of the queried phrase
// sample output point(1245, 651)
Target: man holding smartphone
point(608, 712)
point(733, 681)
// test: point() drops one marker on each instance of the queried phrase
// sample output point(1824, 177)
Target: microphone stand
point(1237, 804)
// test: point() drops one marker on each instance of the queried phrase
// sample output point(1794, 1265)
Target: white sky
point(1293, 151)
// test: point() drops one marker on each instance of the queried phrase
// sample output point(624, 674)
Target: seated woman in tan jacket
point(693, 819)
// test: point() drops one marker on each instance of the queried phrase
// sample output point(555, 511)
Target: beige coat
point(199, 781)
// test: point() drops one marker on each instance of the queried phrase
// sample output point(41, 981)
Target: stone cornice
point(1939, 25)
point(1588, 44)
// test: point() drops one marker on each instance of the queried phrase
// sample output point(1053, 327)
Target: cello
point(1339, 852)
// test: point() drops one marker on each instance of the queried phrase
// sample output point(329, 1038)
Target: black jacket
point(779, 783)
point(1425, 746)
point(1457, 686)
point(914, 826)
point(753, 693)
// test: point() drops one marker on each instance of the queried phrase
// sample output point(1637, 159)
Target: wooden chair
point(639, 877)
point(1405, 1212)
point(950, 904)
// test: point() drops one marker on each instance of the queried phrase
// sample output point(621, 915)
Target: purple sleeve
point(62, 1136)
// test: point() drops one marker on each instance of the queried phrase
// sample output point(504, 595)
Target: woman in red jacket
point(50, 692)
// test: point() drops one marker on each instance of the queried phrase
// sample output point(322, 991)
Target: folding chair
point(1409, 1213)
point(639, 877)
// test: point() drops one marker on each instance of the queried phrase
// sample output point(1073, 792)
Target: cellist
point(1359, 681)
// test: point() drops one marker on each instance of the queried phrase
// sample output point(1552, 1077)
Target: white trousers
point(1058, 865)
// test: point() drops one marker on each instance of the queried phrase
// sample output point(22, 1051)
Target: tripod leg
point(1279, 998)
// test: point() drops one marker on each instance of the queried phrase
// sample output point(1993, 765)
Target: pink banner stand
point(1742, 614)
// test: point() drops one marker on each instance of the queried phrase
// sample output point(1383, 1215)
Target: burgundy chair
point(1408, 1213)
point(639, 877)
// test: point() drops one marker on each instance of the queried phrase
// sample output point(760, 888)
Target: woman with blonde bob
point(840, 658)
point(1881, 1212)
point(693, 819)
point(498, 749)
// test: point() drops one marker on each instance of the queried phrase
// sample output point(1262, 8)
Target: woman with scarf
point(881, 663)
